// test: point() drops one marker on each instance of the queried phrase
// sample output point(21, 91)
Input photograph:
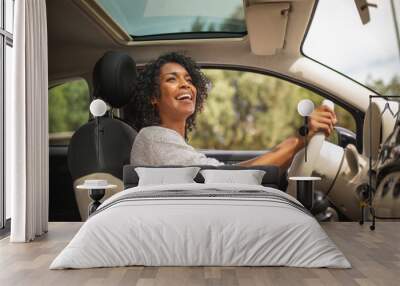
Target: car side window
point(68, 110)
point(251, 111)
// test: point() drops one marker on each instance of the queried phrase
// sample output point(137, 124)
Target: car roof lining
point(77, 40)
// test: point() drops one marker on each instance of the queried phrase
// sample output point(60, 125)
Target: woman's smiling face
point(177, 93)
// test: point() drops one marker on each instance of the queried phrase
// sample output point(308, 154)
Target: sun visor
point(266, 27)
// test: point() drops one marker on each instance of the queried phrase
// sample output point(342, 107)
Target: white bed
point(201, 224)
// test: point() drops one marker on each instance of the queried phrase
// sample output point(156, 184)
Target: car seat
point(114, 77)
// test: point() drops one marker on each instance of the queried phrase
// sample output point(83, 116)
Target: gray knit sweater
point(156, 145)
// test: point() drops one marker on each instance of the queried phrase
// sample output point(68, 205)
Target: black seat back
point(108, 150)
point(100, 148)
point(113, 148)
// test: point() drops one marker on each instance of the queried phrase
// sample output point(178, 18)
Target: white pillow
point(163, 176)
point(248, 177)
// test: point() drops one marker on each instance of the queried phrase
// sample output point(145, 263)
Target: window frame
point(6, 39)
point(2, 93)
point(190, 36)
point(357, 114)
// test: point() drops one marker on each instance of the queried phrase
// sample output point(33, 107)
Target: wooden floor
point(375, 257)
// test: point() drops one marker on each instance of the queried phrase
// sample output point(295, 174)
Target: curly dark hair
point(141, 113)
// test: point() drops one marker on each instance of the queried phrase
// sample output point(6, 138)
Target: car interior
point(269, 44)
point(330, 218)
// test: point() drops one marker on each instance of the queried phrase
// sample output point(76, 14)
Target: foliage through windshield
point(249, 111)
point(68, 107)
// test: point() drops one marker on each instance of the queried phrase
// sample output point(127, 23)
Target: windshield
point(149, 18)
point(369, 54)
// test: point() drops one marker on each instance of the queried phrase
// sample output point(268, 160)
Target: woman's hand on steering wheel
point(322, 119)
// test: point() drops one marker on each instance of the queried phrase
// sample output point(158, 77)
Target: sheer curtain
point(27, 124)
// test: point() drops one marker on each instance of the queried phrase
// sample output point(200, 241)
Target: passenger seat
point(114, 77)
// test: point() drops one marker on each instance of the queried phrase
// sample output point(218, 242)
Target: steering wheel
point(323, 158)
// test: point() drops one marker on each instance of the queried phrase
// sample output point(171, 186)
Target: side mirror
point(345, 136)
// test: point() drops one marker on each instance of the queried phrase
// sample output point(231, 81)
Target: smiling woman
point(179, 98)
point(173, 75)
point(169, 94)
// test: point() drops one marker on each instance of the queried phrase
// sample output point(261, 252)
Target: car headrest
point(114, 77)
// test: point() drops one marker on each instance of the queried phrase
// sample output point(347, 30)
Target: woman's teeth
point(184, 96)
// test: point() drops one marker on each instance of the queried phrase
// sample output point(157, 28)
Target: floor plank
point(374, 255)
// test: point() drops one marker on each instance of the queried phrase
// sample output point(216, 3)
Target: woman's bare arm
point(281, 155)
point(321, 120)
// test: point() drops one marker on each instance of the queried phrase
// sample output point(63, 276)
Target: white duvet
point(268, 228)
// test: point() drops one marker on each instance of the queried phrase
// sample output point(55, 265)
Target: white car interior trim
point(65, 44)
point(266, 26)
point(377, 126)
point(95, 11)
